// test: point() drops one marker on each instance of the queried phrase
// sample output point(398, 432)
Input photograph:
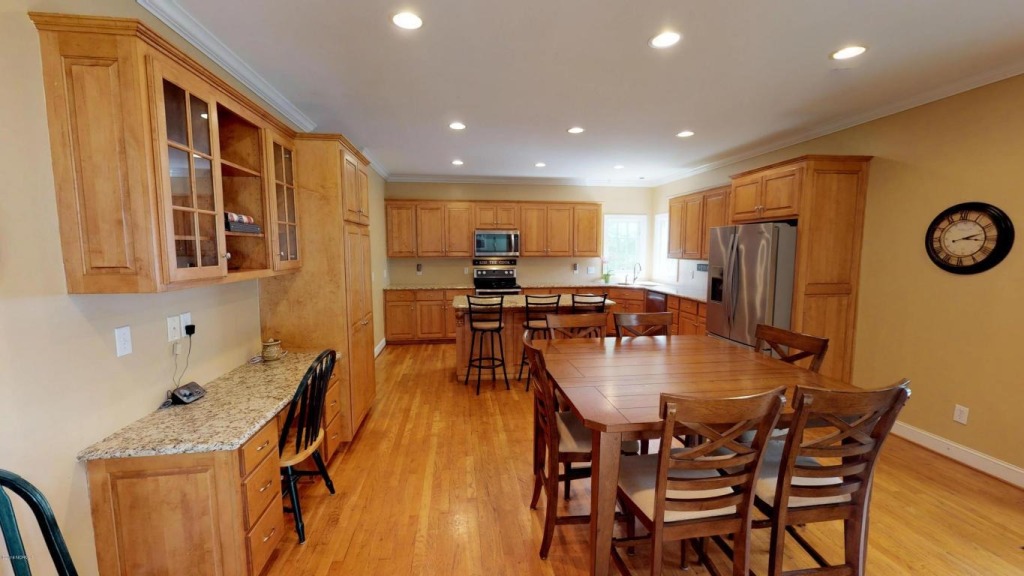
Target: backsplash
point(448, 271)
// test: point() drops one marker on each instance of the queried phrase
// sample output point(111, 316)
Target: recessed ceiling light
point(540, 164)
point(457, 126)
point(619, 166)
point(665, 39)
point(576, 130)
point(848, 52)
point(457, 162)
point(685, 134)
point(407, 20)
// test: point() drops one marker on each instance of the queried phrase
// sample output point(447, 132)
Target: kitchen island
point(514, 308)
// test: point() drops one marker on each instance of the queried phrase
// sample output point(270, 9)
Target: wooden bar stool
point(486, 314)
point(535, 325)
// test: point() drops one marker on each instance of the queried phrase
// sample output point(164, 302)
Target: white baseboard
point(379, 347)
point(993, 467)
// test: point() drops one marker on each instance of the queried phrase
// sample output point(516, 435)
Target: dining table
point(614, 384)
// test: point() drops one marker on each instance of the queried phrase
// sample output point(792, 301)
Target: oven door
point(497, 243)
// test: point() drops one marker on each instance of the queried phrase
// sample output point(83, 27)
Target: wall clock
point(969, 238)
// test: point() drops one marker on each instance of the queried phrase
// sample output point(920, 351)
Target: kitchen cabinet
point(444, 229)
point(496, 216)
point(690, 218)
point(401, 229)
point(546, 230)
point(420, 315)
point(693, 228)
point(766, 194)
point(329, 303)
point(430, 314)
point(357, 203)
point(149, 149)
point(587, 228)
point(716, 213)
point(399, 315)
point(284, 230)
point(627, 301)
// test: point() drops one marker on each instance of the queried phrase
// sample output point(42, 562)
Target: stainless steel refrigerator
point(750, 279)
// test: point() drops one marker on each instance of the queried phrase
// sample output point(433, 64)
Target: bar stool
point(535, 325)
point(588, 303)
point(486, 318)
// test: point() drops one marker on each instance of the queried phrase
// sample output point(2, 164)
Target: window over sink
point(625, 243)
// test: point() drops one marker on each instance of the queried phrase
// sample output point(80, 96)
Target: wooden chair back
point(577, 325)
point(305, 413)
point(538, 308)
point(545, 405)
point(47, 525)
point(791, 346)
point(643, 324)
point(588, 303)
point(485, 312)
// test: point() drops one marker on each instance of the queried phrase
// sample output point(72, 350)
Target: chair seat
point(289, 457)
point(638, 474)
point(574, 437)
point(769, 478)
point(485, 325)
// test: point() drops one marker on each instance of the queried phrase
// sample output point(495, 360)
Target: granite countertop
point(696, 294)
point(235, 407)
point(519, 301)
point(430, 287)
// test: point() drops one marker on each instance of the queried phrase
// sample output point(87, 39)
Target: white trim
point(375, 165)
point(170, 13)
point(982, 462)
point(379, 347)
point(526, 180)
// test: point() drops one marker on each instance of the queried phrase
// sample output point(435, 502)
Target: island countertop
point(236, 406)
point(519, 301)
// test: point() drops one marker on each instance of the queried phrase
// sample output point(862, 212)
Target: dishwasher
point(656, 302)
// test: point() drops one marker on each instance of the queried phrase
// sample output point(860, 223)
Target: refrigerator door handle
point(729, 292)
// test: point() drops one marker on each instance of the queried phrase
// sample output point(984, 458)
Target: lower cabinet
point(689, 316)
point(627, 301)
point(420, 315)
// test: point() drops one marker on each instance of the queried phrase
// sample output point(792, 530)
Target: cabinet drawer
point(256, 448)
point(260, 488)
point(687, 306)
point(265, 535)
point(332, 437)
point(332, 405)
point(400, 295)
point(702, 310)
point(450, 295)
point(429, 295)
point(673, 302)
point(625, 294)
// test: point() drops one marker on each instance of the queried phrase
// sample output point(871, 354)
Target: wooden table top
point(614, 384)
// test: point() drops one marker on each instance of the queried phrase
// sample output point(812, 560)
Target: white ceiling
point(748, 75)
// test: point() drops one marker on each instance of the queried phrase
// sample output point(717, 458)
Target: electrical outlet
point(123, 340)
point(465, 270)
point(960, 414)
point(173, 328)
point(186, 319)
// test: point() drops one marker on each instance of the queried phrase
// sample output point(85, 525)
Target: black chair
point(47, 524)
point(303, 432)
point(535, 325)
point(588, 303)
point(486, 314)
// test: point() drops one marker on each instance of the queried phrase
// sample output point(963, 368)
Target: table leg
point(604, 482)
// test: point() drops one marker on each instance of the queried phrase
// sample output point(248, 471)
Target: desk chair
point(44, 517)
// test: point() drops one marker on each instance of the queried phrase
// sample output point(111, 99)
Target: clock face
point(969, 238)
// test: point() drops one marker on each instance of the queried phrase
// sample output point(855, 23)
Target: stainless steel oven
point(493, 276)
point(497, 243)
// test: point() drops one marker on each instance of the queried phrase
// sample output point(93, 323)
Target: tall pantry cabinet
point(328, 304)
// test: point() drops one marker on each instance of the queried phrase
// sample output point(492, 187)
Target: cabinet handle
point(226, 256)
point(265, 486)
point(271, 535)
point(282, 254)
point(262, 446)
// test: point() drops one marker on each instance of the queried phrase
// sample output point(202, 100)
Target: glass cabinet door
point(192, 194)
point(286, 218)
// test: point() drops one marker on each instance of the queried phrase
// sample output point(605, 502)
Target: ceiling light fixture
point(407, 20)
point(848, 52)
point(619, 166)
point(665, 39)
point(540, 164)
point(457, 162)
point(457, 126)
point(576, 130)
point(685, 134)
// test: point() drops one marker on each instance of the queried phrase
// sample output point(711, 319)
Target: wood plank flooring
point(438, 482)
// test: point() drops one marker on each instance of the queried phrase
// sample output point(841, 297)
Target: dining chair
point(643, 324)
point(791, 346)
point(559, 438)
point(588, 303)
point(40, 508)
point(535, 324)
point(303, 433)
point(823, 471)
point(577, 325)
point(705, 489)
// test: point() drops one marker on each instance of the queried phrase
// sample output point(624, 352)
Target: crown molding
point(375, 165)
point(516, 180)
point(174, 16)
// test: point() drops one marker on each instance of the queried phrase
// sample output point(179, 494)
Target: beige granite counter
point(235, 407)
point(696, 294)
point(430, 287)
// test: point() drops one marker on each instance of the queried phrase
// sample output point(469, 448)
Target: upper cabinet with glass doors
point(166, 176)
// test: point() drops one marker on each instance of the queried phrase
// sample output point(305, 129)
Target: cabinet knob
point(282, 254)
point(226, 256)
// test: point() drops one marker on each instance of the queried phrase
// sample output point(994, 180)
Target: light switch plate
point(123, 340)
point(173, 328)
point(591, 270)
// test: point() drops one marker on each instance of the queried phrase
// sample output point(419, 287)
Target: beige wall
point(957, 337)
point(378, 253)
point(62, 385)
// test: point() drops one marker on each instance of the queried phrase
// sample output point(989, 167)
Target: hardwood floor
point(438, 482)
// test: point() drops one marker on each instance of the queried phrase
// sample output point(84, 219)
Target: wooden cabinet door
point(533, 232)
point(430, 322)
point(401, 230)
point(352, 197)
point(715, 214)
point(430, 229)
point(587, 230)
point(363, 195)
point(400, 320)
point(366, 296)
point(675, 228)
point(688, 324)
point(362, 387)
point(284, 226)
point(559, 230)
point(781, 192)
point(745, 198)
point(354, 266)
point(693, 227)
point(458, 229)
point(506, 216)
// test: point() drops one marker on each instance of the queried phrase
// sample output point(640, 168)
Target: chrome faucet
point(637, 269)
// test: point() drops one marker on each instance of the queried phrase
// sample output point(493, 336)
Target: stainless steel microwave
point(497, 243)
